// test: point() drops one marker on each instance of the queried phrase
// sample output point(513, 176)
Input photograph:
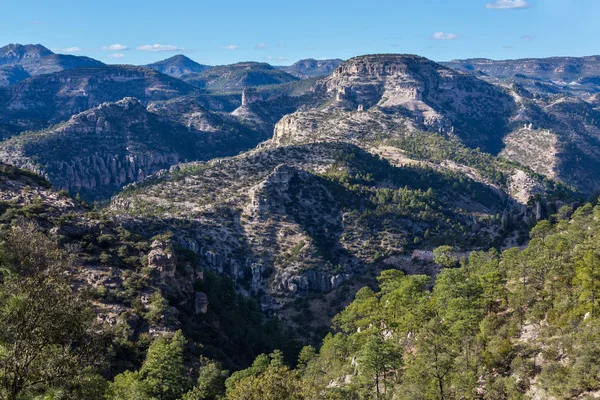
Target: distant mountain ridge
point(236, 77)
point(178, 66)
point(565, 69)
point(310, 67)
point(35, 59)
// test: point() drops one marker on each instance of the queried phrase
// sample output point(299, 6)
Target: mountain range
point(194, 197)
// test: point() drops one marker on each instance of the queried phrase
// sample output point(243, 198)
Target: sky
point(279, 32)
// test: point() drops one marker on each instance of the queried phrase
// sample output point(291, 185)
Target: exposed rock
point(201, 303)
point(249, 96)
point(162, 259)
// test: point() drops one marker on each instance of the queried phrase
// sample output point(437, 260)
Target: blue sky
point(280, 32)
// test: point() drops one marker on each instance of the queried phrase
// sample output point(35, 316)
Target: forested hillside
point(522, 323)
point(495, 325)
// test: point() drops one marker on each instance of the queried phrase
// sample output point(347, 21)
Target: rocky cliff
point(99, 151)
point(294, 219)
point(398, 90)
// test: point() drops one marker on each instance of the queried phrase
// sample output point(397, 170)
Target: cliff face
point(396, 90)
point(281, 221)
point(97, 151)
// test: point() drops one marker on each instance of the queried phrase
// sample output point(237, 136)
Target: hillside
point(48, 99)
point(518, 324)
point(310, 67)
point(296, 219)
point(235, 77)
point(97, 152)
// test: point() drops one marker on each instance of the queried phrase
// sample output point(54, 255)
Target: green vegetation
point(437, 149)
point(485, 329)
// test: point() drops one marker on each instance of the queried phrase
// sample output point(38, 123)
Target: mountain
point(556, 69)
point(178, 66)
point(296, 219)
point(311, 67)
point(97, 152)
point(576, 76)
point(48, 99)
point(38, 60)
point(59, 62)
point(235, 77)
point(13, 54)
point(392, 93)
point(382, 97)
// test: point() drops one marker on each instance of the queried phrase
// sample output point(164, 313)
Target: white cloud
point(231, 47)
point(444, 36)
point(159, 47)
point(528, 37)
point(271, 58)
point(114, 47)
point(281, 45)
point(310, 48)
point(116, 55)
point(260, 46)
point(507, 4)
point(68, 50)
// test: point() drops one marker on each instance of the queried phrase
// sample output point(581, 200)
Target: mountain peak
point(177, 66)
point(15, 53)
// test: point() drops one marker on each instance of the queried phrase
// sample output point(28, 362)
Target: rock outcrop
point(399, 91)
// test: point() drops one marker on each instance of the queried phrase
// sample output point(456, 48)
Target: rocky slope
point(177, 66)
point(10, 74)
point(311, 67)
point(97, 152)
point(295, 219)
point(390, 91)
point(52, 98)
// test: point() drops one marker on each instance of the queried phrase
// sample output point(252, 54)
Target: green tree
point(163, 370)
point(587, 275)
point(162, 376)
point(377, 360)
point(47, 339)
point(211, 381)
point(444, 257)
